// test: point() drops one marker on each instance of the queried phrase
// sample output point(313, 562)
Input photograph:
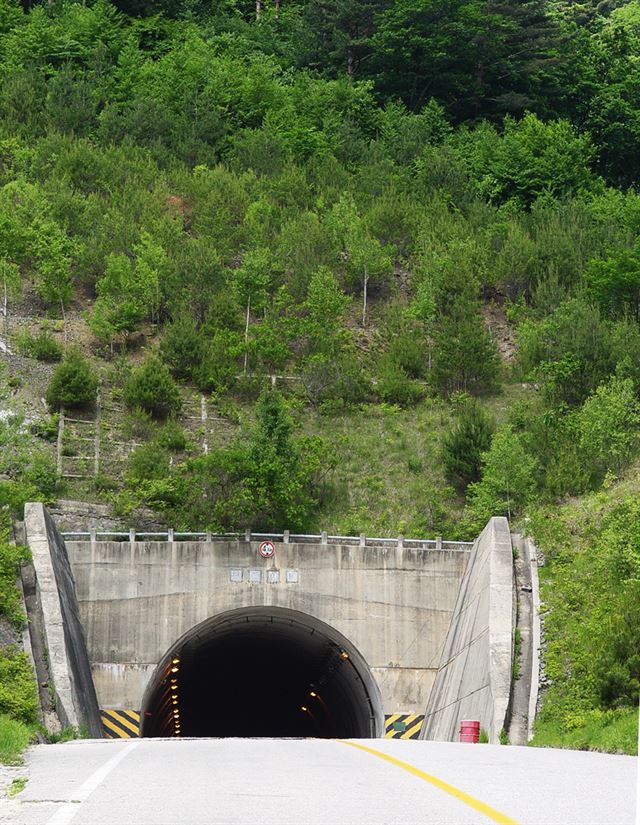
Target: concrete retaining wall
point(69, 669)
point(474, 676)
point(394, 603)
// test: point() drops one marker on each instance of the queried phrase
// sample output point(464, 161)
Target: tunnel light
point(175, 661)
point(312, 694)
point(174, 681)
point(304, 708)
point(344, 654)
point(174, 669)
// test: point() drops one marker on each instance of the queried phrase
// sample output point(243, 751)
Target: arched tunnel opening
point(263, 672)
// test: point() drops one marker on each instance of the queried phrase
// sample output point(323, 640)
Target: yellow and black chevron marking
point(120, 724)
point(402, 725)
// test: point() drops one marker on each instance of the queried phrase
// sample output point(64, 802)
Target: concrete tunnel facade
point(323, 638)
point(388, 605)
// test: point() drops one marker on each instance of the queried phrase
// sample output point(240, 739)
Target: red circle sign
point(266, 549)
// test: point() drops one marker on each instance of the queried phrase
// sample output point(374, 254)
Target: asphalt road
point(318, 782)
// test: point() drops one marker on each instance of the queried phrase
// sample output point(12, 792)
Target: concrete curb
point(535, 637)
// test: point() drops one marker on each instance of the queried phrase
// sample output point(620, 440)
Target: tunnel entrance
point(263, 671)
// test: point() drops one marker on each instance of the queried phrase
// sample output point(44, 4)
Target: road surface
point(318, 782)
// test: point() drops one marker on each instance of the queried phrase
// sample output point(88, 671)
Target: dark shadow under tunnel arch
point(263, 671)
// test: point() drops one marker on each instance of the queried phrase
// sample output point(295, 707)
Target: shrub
point(74, 383)
point(395, 386)
point(508, 479)
point(149, 461)
point(18, 697)
point(463, 446)
point(181, 347)
point(172, 437)
point(464, 356)
point(10, 559)
point(339, 382)
point(43, 346)
point(219, 365)
point(152, 389)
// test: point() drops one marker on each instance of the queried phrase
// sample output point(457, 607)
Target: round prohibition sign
point(266, 549)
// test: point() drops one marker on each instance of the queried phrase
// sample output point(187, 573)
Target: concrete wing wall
point(69, 668)
point(474, 678)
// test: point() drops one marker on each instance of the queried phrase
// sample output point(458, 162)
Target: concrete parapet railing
point(437, 543)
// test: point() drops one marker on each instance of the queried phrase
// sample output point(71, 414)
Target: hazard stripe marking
point(120, 724)
point(403, 725)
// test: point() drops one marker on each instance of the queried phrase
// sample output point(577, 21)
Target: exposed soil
point(501, 331)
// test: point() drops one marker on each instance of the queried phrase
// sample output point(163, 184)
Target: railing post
point(323, 537)
point(209, 537)
point(285, 537)
point(247, 534)
point(438, 542)
point(170, 535)
point(132, 536)
point(400, 542)
point(363, 540)
point(92, 535)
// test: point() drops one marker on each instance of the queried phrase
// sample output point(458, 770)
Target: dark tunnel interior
point(263, 672)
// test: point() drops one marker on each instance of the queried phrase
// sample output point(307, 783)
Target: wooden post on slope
point(59, 445)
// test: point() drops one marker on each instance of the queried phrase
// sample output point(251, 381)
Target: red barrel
point(469, 731)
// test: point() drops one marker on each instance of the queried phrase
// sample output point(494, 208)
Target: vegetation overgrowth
point(421, 217)
point(14, 738)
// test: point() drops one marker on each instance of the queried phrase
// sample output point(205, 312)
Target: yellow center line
point(474, 803)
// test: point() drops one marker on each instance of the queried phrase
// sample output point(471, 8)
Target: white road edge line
point(68, 811)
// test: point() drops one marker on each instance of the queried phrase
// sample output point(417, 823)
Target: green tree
point(365, 261)
point(614, 283)
point(569, 352)
point(11, 286)
point(464, 356)
point(609, 427)
point(250, 284)
point(464, 445)
point(182, 347)
point(508, 478)
point(530, 160)
point(74, 382)
point(325, 310)
point(151, 388)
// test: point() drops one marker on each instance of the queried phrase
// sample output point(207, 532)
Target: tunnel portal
point(263, 672)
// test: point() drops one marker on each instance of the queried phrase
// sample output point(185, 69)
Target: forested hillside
point(392, 248)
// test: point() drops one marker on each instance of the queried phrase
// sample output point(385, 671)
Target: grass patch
point(590, 589)
point(66, 735)
point(18, 785)
point(517, 651)
point(614, 731)
point(388, 480)
point(14, 738)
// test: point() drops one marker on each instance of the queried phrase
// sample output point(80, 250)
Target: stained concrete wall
point(69, 669)
point(393, 603)
point(474, 677)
